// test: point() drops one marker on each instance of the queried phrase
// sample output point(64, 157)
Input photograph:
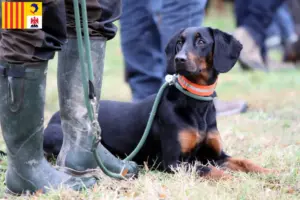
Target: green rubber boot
point(76, 148)
point(22, 92)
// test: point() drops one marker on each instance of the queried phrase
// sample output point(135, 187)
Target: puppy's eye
point(199, 41)
point(179, 45)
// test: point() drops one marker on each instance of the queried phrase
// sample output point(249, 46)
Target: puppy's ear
point(226, 50)
point(170, 51)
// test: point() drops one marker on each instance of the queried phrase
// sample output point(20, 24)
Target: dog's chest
point(193, 133)
point(199, 118)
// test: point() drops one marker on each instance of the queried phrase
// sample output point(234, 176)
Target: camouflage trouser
point(23, 46)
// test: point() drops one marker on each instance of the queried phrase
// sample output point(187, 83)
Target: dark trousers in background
point(26, 46)
point(146, 27)
point(256, 16)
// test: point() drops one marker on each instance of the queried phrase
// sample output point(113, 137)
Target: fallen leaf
point(290, 190)
point(162, 196)
point(131, 194)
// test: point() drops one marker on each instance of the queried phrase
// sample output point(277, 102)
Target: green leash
point(89, 95)
point(90, 98)
point(149, 122)
point(170, 80)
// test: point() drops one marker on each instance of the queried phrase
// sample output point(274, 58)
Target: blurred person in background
point(282, 28)
point(282, 32)
point(146, 27)
point(294, 7)
point(253, 17)
point(292, 52)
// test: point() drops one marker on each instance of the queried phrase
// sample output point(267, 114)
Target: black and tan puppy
point(184, 129)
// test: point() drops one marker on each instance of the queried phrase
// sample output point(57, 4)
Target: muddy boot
point(224, 108)
point(76, 149)
point(22, 92)
point(250, 57)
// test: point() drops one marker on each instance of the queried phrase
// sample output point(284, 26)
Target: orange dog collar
point(199, 90)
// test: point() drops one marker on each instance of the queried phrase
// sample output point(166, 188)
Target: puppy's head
point(195, 50)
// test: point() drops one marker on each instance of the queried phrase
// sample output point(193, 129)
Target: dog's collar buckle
point(171, 79)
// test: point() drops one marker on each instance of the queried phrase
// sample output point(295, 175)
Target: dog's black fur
point(184, 129)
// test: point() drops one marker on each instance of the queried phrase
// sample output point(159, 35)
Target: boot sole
point(233, 112)
point(247, 66)
point(8, 191)
point(70, 171)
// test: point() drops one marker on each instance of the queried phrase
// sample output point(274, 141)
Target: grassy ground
point(269, 134)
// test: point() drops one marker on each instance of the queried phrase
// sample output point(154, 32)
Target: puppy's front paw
point(217, 174)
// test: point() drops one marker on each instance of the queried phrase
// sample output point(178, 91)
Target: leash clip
point(171, 79)
point(97, 134)
point(95, 124)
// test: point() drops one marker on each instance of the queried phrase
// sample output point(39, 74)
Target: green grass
point(269, 134)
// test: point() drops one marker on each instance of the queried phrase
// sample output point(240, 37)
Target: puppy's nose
point(180, 59)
